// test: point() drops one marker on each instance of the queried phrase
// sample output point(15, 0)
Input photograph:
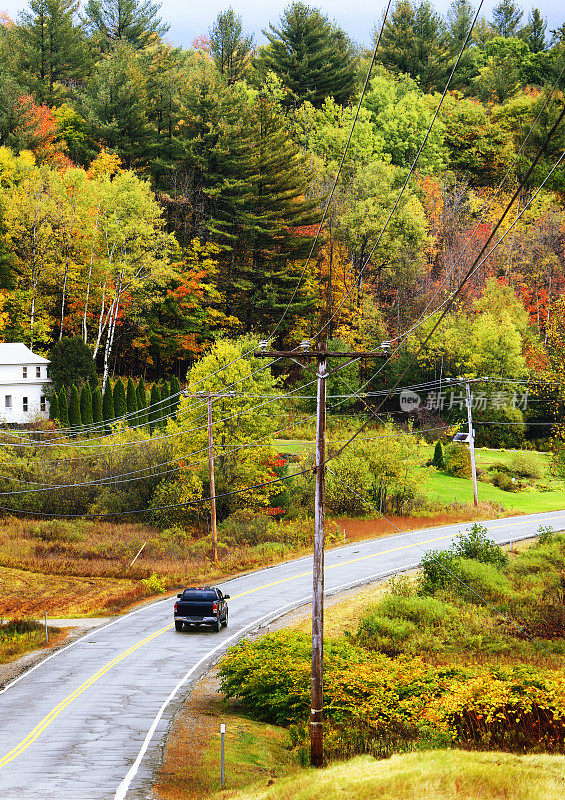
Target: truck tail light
point(176, 607)
point(215, 608)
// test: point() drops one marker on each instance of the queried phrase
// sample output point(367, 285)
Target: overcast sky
point(357, 17)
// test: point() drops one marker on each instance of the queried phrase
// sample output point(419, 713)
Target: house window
point(8, 401)
point(24, 370)
point(38, 372)
point(25, 403)
point(42, 403)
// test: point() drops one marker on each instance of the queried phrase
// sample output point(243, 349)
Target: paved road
point(89, 721)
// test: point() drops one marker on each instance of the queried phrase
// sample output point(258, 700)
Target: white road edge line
point(261, 569)
point(122, 789)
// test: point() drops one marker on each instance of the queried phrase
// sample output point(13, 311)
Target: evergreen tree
point(63, 407)
point(535, 31)
point(141, 396)
point(265, 180)
point(54, 407)
point(230, 48)
point(415, 41)
point(71, 360)
point(52, 47)
point(175, 395)
point(313, 58)
point(86, 404)
point(459, 19)
point(120, 406)
point(438, 459)
point(131, 402)
point(114, 104)
point(506, 18)
point(136, 22)
point(97, 406)
point(108, 404)
point(74, 408)
point(154, 407)
point(165, 407)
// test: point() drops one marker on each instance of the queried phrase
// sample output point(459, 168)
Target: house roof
point(18, 353)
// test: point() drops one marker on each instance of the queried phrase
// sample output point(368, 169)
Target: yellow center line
point(54, 713)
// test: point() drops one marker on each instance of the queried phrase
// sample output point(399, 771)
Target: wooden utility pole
point(317, 679)
point(212, 479)
point(468, 401)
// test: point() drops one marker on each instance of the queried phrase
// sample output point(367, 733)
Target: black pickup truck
point(204, 605)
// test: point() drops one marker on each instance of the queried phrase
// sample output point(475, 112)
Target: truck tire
point(178, 625)
point(217, 625)
point(226, 620)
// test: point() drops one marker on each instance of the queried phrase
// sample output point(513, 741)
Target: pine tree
point(154, 407)
point(133, 21)
point(86, 405)
point(141, 396)
point(506, 18)
point(119, 397)
point(459, 19)
point(52, 46)
point(97, 406)
point(438, 459)
point(313, 58)
point(230, 48)
point(63, 408)
point(108, 404)
point(175, 395)
point(415, 41)
point(535, 31)
point(74, 408)
point(131, 402)
point(54, 407)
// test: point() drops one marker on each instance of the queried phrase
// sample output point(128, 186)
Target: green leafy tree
point(74, 408)
point(165, 407)
point(52, 46)
point(119, 397)
point(131, 402)
point(71, 362)
point(229, 47)
point(136, 22)
point(63, 407)
point(54, 407)
point(415, 41)
point(86, 414)
point(141, 397)
point(500, 70)
point(236, 422)
point(506, 18)
point(154, 411)
point(108, 403)
point(313, 58)
point(97, 415)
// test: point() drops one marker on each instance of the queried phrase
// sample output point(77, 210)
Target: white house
point(23, 376)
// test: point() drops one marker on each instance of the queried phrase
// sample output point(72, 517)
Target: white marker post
point(222, 755)
point(46, 629)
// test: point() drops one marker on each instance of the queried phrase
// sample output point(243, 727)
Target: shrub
point(504, 482)
point(477, 582)
point(63, 408)
point(474, 543)
point(526, 464)
point(74, 408)
point(458, 460)
point(86, 405)
point(436, 568)
point(546, 534)
point(154, 584)
point(246, 526)
point(131, 403)
point(97, 405)
point(119, 398)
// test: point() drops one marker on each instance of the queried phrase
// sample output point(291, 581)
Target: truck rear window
point(198, 594)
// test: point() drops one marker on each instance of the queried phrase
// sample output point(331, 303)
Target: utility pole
point(468, 401)
point(321, 355)
point(212, 479)
point(210, 396)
